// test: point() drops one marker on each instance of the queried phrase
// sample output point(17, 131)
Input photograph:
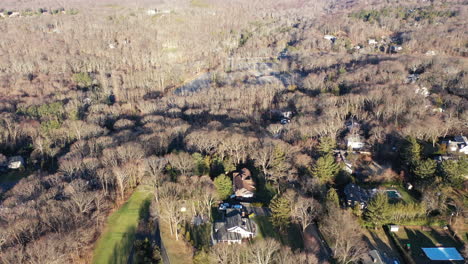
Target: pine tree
point(412, 152)
point(425, 169)
point(327, 145)
point(281, 211)
point(326, 169)
point(332, 197)
point(378, 210)
point(223, 186)
point(454, 171)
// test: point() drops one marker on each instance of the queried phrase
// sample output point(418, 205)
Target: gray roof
point(356, 194)
point(232, 219)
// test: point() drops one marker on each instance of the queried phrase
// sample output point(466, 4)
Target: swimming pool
point(393, 194)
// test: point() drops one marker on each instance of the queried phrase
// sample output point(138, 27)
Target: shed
point(442, 254)
point(394, 228)
point(15, 162)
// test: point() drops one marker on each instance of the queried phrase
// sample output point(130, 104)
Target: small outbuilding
point(15, 162)
point(355, 142)
point(394, 228)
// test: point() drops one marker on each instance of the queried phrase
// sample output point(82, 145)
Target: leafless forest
point(102, 96)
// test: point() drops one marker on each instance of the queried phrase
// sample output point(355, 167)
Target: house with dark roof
point(234, 228)
point(357, 195)
point(243, 184)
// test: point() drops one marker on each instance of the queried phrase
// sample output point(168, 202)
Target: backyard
point(415, 238)
point(116, 241)
point(178, 251)
point(291, 236)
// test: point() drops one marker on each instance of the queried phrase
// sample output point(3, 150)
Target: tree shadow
point(416, 241)
point(122, 250)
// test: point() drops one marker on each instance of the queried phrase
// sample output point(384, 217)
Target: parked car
point(224, 206)
point(237, 206)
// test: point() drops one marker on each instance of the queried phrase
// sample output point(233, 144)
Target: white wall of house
point(355, 144)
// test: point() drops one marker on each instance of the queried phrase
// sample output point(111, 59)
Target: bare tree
point(305, 211)
point(80, 196)
point(155, 167)
point(345, 234)
point(263, 251)
point(181, 161)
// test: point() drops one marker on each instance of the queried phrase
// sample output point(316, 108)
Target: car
point(396, 262)
point(224, 206)
point(237, 206)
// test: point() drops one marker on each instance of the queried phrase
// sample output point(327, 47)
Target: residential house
point(372, 42)
point(234, 228)
point(462, 142)
point(15, 14)
point(330, 37)
point(341, 157)
point(355, 142)
point(356, 195)
point(395, 49)
point(458, 144)
point(243, 183)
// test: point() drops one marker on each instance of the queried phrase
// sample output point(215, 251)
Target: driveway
point(315, 244)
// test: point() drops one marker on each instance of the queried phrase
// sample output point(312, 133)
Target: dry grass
point(179, 252)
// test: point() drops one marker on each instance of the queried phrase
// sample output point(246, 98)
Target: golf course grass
point(115, 243)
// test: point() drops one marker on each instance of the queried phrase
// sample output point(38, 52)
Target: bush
point(83, 79)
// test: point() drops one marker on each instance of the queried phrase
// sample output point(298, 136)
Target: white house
point(15, 14)
point(458, 144)
point(462, 142)
point(330, 37)
point(355, 142)
point(235, 228)
point(372, 42)
point(151, 12)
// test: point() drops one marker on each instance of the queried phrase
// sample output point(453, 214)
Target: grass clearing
point(291, 237)
point(116, 241)
point(179, 252)
point(13, 176)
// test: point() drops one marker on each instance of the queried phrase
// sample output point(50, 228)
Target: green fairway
point(115, 243)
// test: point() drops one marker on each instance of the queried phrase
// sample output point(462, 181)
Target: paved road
point(159, 242)
point(314, 244)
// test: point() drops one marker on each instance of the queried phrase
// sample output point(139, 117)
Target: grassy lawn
point(14, 175)
point(178, 251)
point(116, 241)
point(417, 238)
point(291, 236)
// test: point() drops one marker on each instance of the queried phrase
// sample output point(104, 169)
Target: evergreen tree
point(327, 145)
point(425, 169)
point(454, 171)
point(223, 186)
point(202, 257)
point(378, 210)
point(278, 163)
point(326, 169)
point(229, 165)
point(281, 211)
point(332, 198)
point(412, 152)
